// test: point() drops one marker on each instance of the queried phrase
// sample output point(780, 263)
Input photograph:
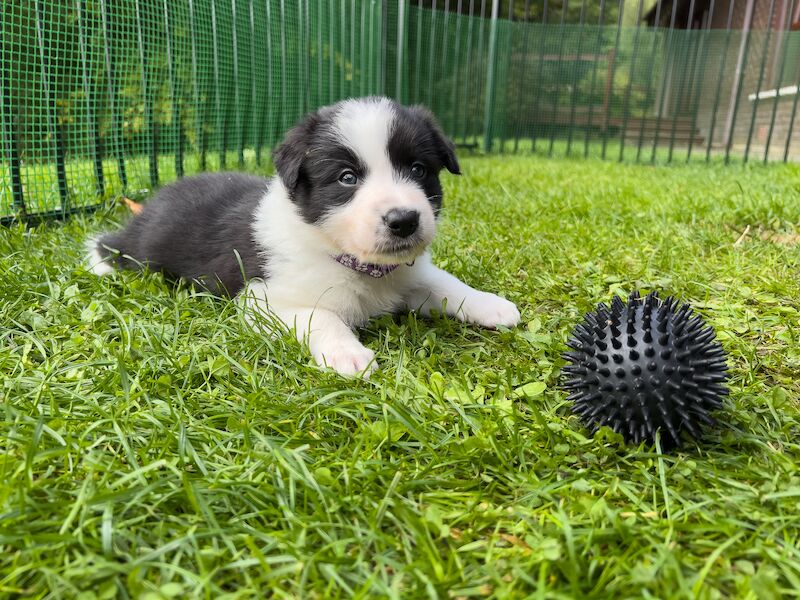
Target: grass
point(154, 447)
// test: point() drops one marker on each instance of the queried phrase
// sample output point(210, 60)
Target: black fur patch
point(318, 189)
point(416, 137)
point(194, 229)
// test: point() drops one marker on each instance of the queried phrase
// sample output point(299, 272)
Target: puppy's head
point(366, 172)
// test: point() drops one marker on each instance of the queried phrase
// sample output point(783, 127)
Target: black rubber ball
point(646, 366)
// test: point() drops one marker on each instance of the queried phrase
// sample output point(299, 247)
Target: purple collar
point(376, 271)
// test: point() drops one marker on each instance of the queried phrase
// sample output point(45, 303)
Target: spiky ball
point(644, 366)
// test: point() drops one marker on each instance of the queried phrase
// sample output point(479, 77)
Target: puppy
point(338, 236)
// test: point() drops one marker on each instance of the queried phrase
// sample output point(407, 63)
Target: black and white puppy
point(338, 236)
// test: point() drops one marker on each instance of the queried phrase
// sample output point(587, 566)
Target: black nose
point(402, 222)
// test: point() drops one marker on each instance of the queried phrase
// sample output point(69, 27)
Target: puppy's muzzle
point(401, 222)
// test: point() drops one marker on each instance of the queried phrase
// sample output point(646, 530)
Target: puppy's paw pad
point(489, 310)
point(348, 359)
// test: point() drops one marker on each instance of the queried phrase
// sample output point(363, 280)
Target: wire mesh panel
point(642, 80)
point(104, 96)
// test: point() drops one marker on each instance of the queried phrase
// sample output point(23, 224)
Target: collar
point(373, 270)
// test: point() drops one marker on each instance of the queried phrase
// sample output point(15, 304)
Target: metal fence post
point(319, 98)
point(401, 39)
point(255, 112)
point(236, 96)
point(445, 44)
point(665, 83)
point(521, 79)
point(431, 52)
point(699, 76)
point(149, 109)
point(738, 80)
point(541, 47)
point(468, 71)
point(723, 60)
point(89, 99)
point(416, 95)
point(174, 92)
point(269, 124)
point(284, 98)
point(116, 118)
point(574, 83)
point(764, 53)
point(598, 45)
point(331, 53)
point(780, 57)
point(53, 125)
point(651, 68)
point(556, 101)
point(480, 93)
point(681, 85)
point(369, 60)
point(352, 20)
point(788, 146)
point(384, 37)
point(457, 71)
point(626, 102)
point(610, 82)
point(303, 58)
point(219, 129)
point(490, 73)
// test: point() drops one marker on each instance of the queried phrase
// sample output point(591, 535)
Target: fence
point(112, 95)
point(104, 96)
point(714, 79)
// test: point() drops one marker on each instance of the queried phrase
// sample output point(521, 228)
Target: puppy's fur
point(338, 236)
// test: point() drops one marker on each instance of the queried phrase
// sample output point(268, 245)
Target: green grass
point(153, 446)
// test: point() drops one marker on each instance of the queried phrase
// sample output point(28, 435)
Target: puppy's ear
point(445, 148)
point(288, 157)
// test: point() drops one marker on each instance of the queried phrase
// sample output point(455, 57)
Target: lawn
point(155, 447)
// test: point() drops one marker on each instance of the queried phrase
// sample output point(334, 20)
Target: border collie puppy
point(338, 236)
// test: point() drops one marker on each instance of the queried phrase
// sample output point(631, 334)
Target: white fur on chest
point(300, 270)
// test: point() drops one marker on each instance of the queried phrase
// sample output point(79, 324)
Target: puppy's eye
point(348, 178)
point(418, 170)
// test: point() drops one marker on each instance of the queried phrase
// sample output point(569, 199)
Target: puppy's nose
point(402, 222)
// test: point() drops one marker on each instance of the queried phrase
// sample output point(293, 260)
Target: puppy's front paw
point(347, 359)
point(489, 310)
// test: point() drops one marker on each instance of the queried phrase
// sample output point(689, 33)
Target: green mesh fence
point(627, 93)
point(105, 96)
point(102, 97)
